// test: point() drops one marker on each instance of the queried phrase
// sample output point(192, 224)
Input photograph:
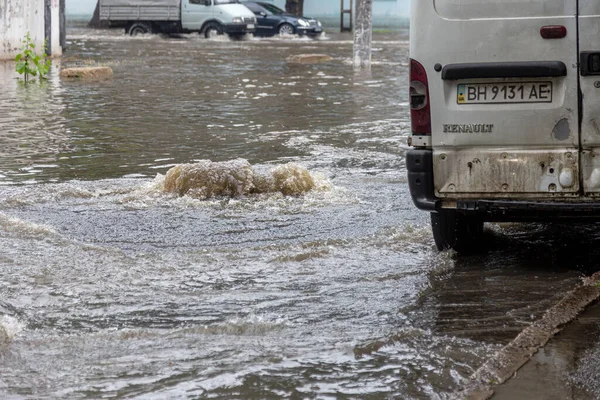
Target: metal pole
point(63, 25)
point(342, 16)
point(363, 29)
point(48, 26)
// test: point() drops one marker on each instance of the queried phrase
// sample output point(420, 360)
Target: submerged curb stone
point(308, 58)
point(505, 363)
point(86, 73)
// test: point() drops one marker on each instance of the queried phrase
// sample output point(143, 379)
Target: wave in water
point(9, 328)
point(25, 228)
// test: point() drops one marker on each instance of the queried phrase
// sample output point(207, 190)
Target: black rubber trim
point(585, 64)
point(419, 164)
point(237, 28)
point(526, 69)
point(517, 210)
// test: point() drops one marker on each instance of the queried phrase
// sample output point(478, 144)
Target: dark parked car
point(272, 20)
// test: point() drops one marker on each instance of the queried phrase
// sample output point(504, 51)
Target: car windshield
point(271, 8)
point(218, 2)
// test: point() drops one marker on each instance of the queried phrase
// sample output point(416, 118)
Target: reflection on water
point(34, 131)
point(112, 287)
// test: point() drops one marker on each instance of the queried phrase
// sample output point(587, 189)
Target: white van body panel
point(589, 40)
point(496, 9)
point(193, 15)
point(521, 150)
point(135, 10)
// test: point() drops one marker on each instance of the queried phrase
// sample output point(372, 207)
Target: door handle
point(524, 69)
point(589, 63)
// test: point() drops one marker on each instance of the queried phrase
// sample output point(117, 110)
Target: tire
point(456, 231)
point(139, 28)
point(213, 29)
point(286, 29)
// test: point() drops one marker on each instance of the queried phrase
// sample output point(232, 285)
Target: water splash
point(24, 228)
point(9, 328)
point(235, 178)
point(206, 179)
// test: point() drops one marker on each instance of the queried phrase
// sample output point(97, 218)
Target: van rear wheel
point(456, 231)
point(140, 28)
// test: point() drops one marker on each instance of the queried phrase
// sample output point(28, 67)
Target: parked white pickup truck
point(209, 17)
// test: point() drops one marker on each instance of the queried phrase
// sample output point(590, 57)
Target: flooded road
point(113, 287)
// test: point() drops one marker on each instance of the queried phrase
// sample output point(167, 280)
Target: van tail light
point(420, 113)
point(553, 31)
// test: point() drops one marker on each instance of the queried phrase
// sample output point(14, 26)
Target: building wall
point(389, 8)
point(81, 7)
point(18, 17)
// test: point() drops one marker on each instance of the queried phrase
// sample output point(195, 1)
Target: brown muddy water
point(113, 287)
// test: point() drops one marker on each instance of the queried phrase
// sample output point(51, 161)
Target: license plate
point(504, 93)
point(250, 26)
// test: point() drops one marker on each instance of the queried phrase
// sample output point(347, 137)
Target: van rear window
point(482, 9)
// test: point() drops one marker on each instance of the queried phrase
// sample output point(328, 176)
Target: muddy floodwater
point(112, 286)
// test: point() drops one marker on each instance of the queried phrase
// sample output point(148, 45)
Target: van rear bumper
point(515, 210)
point(419, 164)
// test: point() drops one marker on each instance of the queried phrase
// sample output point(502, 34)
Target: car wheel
point(286, 29)
point(140, 28)
point(456, 231)
point(213, 29)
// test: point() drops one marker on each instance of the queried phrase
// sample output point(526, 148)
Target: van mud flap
point(419, 164)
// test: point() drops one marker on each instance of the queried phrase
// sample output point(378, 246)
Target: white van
point(505, 113)
point(209, 17)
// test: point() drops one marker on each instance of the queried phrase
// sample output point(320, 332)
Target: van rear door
point(503, 86)
point(589, 46)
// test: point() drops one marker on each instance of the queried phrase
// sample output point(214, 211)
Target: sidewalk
point(568, 367)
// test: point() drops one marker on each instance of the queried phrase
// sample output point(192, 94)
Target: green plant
point(29, 63)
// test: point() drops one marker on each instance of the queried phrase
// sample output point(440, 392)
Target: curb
point(505, 363)
point(308, 58)
point(86, 73)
